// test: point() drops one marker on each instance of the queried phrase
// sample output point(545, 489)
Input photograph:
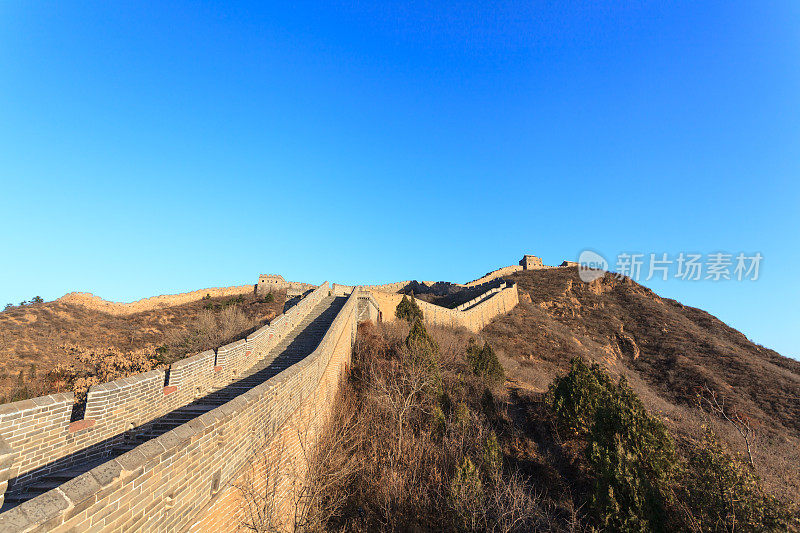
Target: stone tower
point(530, 262)
point(269, 282)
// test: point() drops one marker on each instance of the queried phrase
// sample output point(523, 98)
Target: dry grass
point(407, 450)
point(396, 455)
point(53, 346)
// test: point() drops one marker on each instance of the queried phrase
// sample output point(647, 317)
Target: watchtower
point(269, 282)
point(530, 262)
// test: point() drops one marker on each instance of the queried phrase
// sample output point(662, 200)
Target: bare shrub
point(307, 486)
point(719, 492)
point(713, 404)
point(259, 499)
point(333, 464)
point(427, 455)
point(25, 386)
point(514, 505)
point(211, 329)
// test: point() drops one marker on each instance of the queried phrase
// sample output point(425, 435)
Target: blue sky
point(180, 145)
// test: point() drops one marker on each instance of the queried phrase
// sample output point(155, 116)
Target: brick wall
point(175, 481)
point(43, 439)
point(483, 310)
point(494, 274)
point(274, 282)
point(185, 479)
point(91, 301)
point(277, 471)
point(6, 458)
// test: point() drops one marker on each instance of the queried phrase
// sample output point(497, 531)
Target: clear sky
point(167, 147)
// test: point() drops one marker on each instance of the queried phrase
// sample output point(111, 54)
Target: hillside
point(35, 338)
point(152, 303)
point(668, 352)
point(431, 433)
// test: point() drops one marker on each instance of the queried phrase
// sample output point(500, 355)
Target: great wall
point(163, 450)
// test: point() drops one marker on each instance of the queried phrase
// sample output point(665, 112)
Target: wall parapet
point(171, 479)
point(473, 315)
point(483, 296)
point(494, 274)
point(45, 436)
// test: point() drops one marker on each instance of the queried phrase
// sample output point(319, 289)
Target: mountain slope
point(668, 352)
point(35, 338)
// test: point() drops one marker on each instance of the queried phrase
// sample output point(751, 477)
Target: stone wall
point(6, 458)
point(278, 470)
point(274, 282)
point(531, 262)
point(494, 288)
point(91, 301)
point(474, 317)
point(494, 274)
point(528, 262)
point(182, 479)
point(186, 478)
point(388, 287)
point(44, 438)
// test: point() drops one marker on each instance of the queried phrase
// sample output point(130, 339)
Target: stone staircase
point(292, 348)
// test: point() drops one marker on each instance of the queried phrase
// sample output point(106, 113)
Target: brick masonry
point(474, 315)
point(39, 430)
point(185, 479)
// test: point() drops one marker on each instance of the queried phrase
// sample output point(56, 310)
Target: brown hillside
point(91, 301)
point(667, 351)
point(35, 338)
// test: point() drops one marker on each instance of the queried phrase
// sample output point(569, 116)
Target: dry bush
point(210, 330)
point(95, 367)
point(37, 334)
point(28, 384)
point(333, 464)
point(88, 366)
point(412, 429)
point(259, 495)
point(92, 366)
point(315, 480)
